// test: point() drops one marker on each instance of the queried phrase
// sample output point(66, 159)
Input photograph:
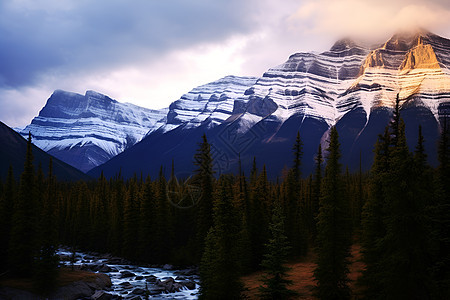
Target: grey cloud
point(103, 34)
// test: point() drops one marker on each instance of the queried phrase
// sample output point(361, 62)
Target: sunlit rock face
point(87, 130)
point(413, 66)
point(351, 86)
point(410, 66)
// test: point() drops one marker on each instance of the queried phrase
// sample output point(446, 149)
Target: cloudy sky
point(150, 52)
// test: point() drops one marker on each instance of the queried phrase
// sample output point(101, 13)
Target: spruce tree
point(219, 269)
point(275, 282)
point(395, 239)
point(298, 153)
point(259, 215)
point(242, 207)
point(163, 221)
point(405, 274)
point(47, 262)
point(315, 193)
point(373, 226)
point(147, 233)
point(205, 180)
point(440, 217)
point(334, 236)
point(6, 208)
point(131, 220)
point(99, 213)
point(22, 248)
point(293, 206)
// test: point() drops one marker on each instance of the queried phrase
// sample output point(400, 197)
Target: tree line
point(399, 213)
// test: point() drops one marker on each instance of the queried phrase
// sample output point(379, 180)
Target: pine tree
point(147, 233)
point(293, 206)
point(219, 269)
point(440, 217)
point(163, 221)
point(204, 178)
point(22, 247)
point(275, 280)
point(116, 215)
point(373, 226)
point(405, 254)
point(315, 191)
point(99, 213)
point(131, 220)
point(395, 242)
point(82, 224)
point(334, 236)
point(241, 206)
point(6, 207)
point(47, 260)
point(259, 215)
point(298, 153)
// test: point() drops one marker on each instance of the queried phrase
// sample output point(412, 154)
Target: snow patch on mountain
point(72, 121)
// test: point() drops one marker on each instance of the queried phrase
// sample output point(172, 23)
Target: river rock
point(190, 285)
point(139, 291)
point(156, 290)
point(126, 274)
point(126, 285)
point(150, 278)
point(105, 269)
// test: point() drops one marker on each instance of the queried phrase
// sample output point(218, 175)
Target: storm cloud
point(38, 37)
point(149, 52)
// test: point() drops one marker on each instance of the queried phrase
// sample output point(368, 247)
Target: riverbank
point(103, 276)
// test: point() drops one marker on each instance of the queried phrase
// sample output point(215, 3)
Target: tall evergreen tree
point(163, 222)
point(298, 153)
point(440, 215)
point(205, 180)
point(395, 242)
point(131, 220)
point(373, 226)
point(47, 262)
point(405, 253)
point(147, 226)
point(259, 215)
point(293, 206)
point(6, 207)
point(219, 269)
point(22, 248)
point(275, 281)
point(334, 236)
point(315, 191)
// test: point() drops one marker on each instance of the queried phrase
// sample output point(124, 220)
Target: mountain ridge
point(350, 86)
point(12, 153)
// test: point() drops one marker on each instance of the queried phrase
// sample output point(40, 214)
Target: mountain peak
point(405, 40)
point(344, 44)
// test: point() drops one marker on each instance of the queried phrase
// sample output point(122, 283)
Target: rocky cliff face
point(87, 130)
point(212, 103)
point(351, 86)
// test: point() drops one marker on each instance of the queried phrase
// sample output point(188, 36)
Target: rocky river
point(136, 282)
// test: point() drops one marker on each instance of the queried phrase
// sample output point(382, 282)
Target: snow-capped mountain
point(87, 130)
point(351, 86)
point(213, 102)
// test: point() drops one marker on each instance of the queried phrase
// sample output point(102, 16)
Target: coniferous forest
point(234, 224)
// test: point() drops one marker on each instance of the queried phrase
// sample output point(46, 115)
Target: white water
point(117, 289)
